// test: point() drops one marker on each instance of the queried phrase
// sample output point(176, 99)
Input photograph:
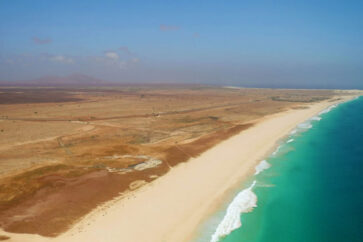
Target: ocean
point(309, 189)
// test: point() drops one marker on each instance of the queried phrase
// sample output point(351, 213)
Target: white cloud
point(123, 57)
point(61, 59)
point(112, 55)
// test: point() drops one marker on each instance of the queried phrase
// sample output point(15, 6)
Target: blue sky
point(315, 44)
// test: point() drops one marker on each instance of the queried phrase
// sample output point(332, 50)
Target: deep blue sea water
point(313, 190)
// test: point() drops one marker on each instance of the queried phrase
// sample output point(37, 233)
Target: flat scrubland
point(65, 151)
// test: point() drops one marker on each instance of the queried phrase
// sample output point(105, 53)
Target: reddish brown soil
point(61, 201)
point(54, 208)
point(4, 237)
point(54, 171)
point(182, 152)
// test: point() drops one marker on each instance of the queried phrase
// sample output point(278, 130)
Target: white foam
point(308, 123)
point(244, 202)
point(264, 165)
point(266, 185)
point(305, 125)
point(328, 109)
point(290, 140)
point(277, 150)
point(316, 118)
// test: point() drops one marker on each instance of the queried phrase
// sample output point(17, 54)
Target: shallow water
point(313, 190)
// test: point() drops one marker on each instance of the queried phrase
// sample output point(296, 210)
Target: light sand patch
point(136, 184)
point(146, 162)
point(151, 163)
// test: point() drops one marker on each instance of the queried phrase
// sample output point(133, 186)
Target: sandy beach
point(172, 207)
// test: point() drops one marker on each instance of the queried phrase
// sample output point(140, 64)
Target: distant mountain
point(73, 80)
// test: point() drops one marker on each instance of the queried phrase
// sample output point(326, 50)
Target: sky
point(291, 44)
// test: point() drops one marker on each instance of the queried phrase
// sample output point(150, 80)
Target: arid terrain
point(64, 151)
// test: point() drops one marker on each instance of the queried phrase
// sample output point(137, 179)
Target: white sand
point(172, 207)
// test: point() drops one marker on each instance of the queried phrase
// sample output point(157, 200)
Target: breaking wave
point(302, 127)
point(305, 125)
point(328, 109)
point(316, 118)
point(264, 165)
point(277, 150)
point(244, 202)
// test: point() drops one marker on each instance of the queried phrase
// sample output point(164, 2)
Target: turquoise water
point(313, 190)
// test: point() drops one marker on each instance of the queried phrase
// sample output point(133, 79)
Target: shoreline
point(243, 199)
point(226, 223)
point(168, 209)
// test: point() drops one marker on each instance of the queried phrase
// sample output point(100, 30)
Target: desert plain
point(66, 151)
